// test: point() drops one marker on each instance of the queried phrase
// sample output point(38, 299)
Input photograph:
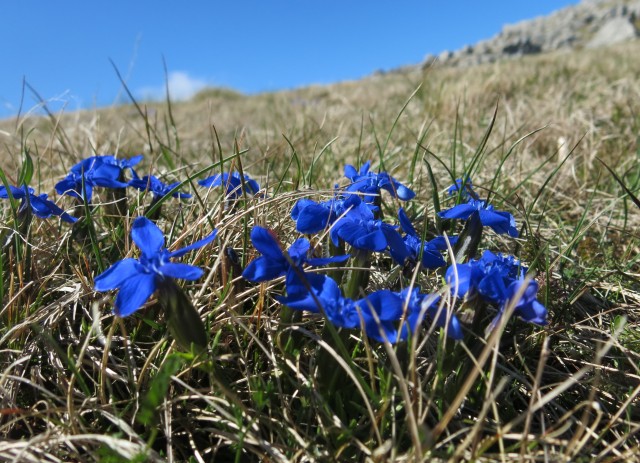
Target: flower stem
point(359, 273)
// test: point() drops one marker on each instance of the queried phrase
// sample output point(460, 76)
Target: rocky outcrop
point(591, 23)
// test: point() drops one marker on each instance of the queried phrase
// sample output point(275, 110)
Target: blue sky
point(63, 49)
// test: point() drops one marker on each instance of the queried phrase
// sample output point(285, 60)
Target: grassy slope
point(571, 388)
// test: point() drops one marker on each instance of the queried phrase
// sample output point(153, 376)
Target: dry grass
point(74, 379)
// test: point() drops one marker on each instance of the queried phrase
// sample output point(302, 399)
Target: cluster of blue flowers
point(351, 217)
point(102, 171)
point(379, 313)
point(108, 172)
point(137, 279)
point(498, 280)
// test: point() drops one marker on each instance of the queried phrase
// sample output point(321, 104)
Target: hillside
point(587, 93)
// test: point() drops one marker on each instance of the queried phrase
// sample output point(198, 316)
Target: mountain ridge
point(588, 24)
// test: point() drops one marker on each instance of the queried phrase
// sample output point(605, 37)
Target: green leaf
point(183, 319)
point(26, 171)
point(469, 239)
point(435, 198)
point(158, 389)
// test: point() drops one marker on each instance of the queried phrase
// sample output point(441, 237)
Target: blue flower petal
point(439, 315)
point(117, 274)
point(134, 292)
point(461, 211)
point(198, 244)
point(398, 190)
point(397, 248)
point(67, 186)
point(358, 236)
point(147, 237)
point(528, 307)
point(105, 175)
point(405, 223)
point(372, 241)
point(156, 186)
point(388, 308)
point(364, 169)
point(252, 186)
point(183, 271)
point(299, 206)
point(439, 243)
point(539, 312)
point(312, 218)
point(299, 249)
point(266, 243)
point(350, 172)
point(501, 222)
point(320, 261)
point(454, 329)
point(469, 276)
point(16, 192)
point(492, 286)
point(432, 259)
point(214, 180)
point(133, 161)
point(44, 208)
point(387, 304)
point(264, 269)
point(232, 184)
point(325, 289)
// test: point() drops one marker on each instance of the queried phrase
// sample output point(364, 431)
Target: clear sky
point(62, 49)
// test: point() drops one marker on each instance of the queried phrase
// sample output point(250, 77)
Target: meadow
point(265, 346)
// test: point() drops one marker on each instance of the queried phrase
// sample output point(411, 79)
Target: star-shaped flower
point(371, 183)
point(39, 205)
point(498, 279)
point(104, 171)
point(156, 186)
point(274, 262)
point(232, 184)
point(138, 279)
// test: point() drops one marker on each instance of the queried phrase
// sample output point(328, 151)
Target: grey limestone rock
point(617, 29)
point(590, 23)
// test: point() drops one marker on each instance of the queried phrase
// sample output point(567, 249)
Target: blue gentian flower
point(232, 184)
point(104, 171)
point(431, 250)
point(156, 186)
point(370, 183)
point(138, 279)
point(363, 232)
point(500, 221)
point(274, 263)
point(379, 311)
point(123, 164)
point(497, 279)
point(39, 204)
point(419, 305)
point(312, 217)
